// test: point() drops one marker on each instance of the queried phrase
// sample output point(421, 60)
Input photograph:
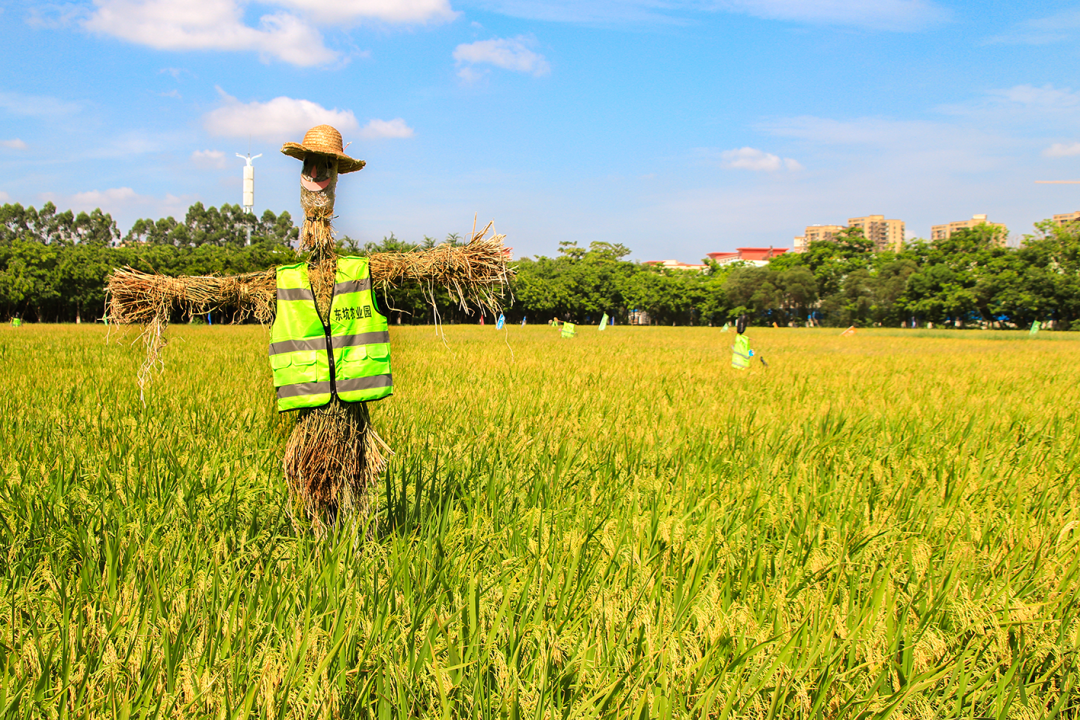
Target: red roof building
point(753, 255)
point(675, 265)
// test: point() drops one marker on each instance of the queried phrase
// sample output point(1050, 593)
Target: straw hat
point(323, 140)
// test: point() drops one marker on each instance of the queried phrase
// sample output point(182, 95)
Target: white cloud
point(470, 75)
point(289, 34)
point(122, 201)
point(15, 144)
point(860, 134)
point(1062, 150)
point(892, 15)
point(98, 198)
point(878, 14)
point(395, 128)
point(507, 53)
point(55, 16)
point(127, 144)
point(1025, 109)
point(4, 197)
point(40, 106)
point(390, 11)
point(749, 158)
point(1041, 31)
point(282, 119)
point(583, 11)
point(209, 25)
point(1045, 97)
point(209, 159)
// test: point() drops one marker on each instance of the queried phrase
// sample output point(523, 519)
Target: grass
point(613, 525)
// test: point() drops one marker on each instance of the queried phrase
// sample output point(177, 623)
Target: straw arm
point(472, 273)
point(138, 297)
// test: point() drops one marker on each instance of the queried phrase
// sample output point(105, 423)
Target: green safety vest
point(313, 360)
point(740, 352)
point(568, 329)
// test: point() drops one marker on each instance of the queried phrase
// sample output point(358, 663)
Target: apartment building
point(942, 232)
point(885, 234)
point(815, 233)
point(1067, 218)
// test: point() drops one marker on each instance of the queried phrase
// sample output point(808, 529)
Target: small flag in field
point(501, 322)
point(1035, 325)
point(603, 321)
point(775, 325)
point(727, 326)
point(849, 331)
point(568, 330)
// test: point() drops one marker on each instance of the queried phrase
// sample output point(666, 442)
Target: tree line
point(53, 267)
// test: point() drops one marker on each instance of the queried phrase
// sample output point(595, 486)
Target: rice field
point(613, 525)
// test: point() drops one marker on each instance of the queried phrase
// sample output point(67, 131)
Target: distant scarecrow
point(329, 343)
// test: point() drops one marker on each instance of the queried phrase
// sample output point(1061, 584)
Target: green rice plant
point(611, 525)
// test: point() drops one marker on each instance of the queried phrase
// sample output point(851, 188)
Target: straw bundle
point(332, 459)
point(138, 297)
point(473, 273)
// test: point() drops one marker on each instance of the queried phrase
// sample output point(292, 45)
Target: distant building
point(815, 233)
point(942, 232)
point(675, 265)
point(1067, 218)
point(753, 255)
point(885, 234)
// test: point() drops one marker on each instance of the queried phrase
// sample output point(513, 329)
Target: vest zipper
point(326, 329)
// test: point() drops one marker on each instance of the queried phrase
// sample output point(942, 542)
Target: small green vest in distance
point(348, 356)
point(740, 352)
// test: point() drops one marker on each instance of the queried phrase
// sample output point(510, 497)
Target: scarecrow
point(329, 342)
point(740, 351)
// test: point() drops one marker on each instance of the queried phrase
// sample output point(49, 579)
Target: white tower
point(249, 182)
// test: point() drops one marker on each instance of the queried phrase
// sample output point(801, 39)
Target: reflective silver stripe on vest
point(315, 388)
point(351, 286)
point(364, 383)
point(293, 345)
point(295, 294)
point(370, 338)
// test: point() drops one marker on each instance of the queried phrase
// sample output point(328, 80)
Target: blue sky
point(677, 127)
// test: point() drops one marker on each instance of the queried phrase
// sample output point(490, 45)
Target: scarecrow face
point(318, 180)
point(319, 172)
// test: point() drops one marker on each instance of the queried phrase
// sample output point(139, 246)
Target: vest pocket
point(294, 367)
point(364, 361)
